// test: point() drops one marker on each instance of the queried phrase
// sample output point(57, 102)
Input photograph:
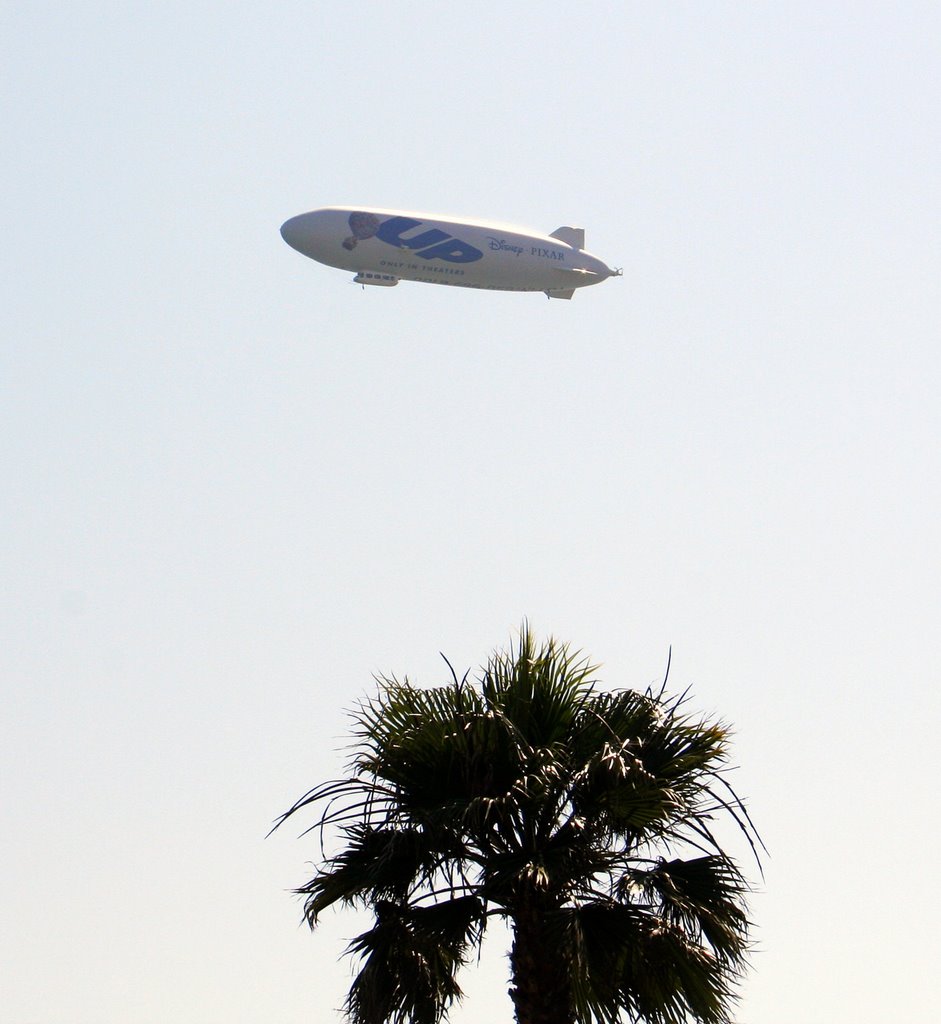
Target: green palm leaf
point(411, 956)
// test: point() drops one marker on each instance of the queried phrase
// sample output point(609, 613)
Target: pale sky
point(234, 487)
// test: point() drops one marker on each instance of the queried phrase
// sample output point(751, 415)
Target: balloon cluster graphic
point(363, 226)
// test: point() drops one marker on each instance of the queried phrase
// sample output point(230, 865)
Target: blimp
point(383, 247)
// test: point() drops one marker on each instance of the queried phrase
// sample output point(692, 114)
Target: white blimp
point(383, 247)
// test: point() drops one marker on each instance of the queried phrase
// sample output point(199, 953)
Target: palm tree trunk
point(540, 989)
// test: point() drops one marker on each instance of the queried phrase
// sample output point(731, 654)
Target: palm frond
point(411, 956)
point(627, 960)
point(539, 690)
point(375, 865)
point(705, 897)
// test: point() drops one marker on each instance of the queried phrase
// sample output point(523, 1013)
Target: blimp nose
point(297, 232)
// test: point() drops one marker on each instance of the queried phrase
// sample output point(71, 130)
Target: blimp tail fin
point(575, 237)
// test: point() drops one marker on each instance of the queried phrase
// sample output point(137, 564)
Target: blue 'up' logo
point(432, 244)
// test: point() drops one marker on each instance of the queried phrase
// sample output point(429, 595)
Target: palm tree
point(539, 798)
